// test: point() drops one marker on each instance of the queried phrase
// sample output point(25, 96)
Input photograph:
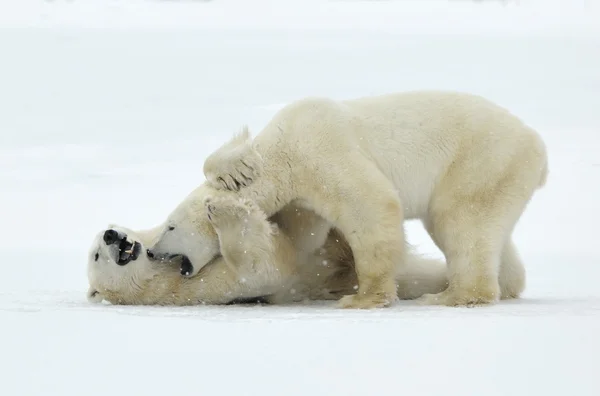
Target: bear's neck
point(168, 287)
point(214, 284)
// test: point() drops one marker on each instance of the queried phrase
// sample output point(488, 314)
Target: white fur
point(261, 264)
point(463, 165)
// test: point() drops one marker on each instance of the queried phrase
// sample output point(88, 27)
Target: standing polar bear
point(463, 165)
point(263, 264)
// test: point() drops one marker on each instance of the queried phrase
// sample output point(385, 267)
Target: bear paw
point(369, 301)
point(235, 175)
point(224, 212)
point(452, 298)
point(234, 165)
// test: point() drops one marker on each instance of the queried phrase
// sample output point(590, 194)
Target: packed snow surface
point(109, 108)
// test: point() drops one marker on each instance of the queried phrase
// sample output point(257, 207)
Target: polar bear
point(464, 166)
point(261, 265)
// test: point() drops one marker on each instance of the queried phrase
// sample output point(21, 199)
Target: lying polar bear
point(258, 262)
point(463, 165)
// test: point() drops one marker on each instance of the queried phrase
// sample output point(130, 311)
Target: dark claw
point(246, 178)
point(247, 166)
point(223, 183)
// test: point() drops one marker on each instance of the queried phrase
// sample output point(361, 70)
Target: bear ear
point(94, 296)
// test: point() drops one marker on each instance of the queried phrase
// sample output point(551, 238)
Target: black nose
point(149, 253)
point(111, 236)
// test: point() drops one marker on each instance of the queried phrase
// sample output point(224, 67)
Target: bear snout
point(111, 237)
point(153, 255)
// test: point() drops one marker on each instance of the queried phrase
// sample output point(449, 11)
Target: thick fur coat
point(464, 166)
point(258, 261)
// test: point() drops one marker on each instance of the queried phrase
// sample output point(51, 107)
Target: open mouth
point(126, 251)
point(186, 268)
point(185, 265)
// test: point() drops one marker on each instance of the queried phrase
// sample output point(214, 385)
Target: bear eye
point(171, 228)
point(96, 257)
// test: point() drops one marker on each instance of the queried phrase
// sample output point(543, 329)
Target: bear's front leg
point(358, 199)
point(249, 243)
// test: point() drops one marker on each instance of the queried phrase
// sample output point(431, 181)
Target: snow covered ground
point(109, 108)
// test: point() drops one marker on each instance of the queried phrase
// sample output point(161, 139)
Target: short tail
point(544, 176)
point(542, 152)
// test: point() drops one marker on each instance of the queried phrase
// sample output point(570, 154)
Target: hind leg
point(512, 272)
point(472, 232)
point(473, 257)
point(471, 219)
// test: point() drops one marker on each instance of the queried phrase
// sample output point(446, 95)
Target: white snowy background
point(108, 109)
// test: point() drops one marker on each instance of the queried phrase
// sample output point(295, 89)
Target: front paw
point(235, 175)
point(234, 165)
point(226, 211)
